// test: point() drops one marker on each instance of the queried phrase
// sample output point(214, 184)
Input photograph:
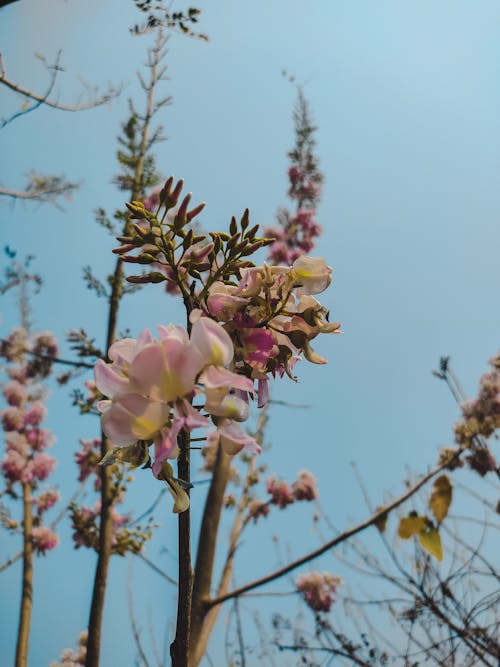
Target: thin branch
point(380, 514)
point(40, 99)
point(156, 569)
point(11, 561)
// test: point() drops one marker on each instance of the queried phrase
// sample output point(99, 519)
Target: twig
point(382, 512)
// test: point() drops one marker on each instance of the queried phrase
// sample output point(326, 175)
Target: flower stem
point(180, 646)
point(27, 583)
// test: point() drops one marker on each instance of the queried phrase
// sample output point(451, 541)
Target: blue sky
point(406, 98)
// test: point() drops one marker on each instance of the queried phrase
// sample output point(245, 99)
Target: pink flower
point(35, 414)
point(88, 458)
point(46, 500)
point(281, 492)
point(233, 439)
point(318, 589)
point(44, 539)
point(305, 487)
point(16, 468)
point(43, 465)
point(14, 392)
point(12, 419)
point(312, 273)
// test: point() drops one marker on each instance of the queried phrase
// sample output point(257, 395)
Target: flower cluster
point(151, 384)
point(481, 418)
point(246, 324)
point(26, 461)
point(283, 494)
point(73, 658)
point(296, 232)
point(318, 589)
point(85, 520)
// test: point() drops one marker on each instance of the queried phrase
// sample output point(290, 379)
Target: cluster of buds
point(246, 323)
point(318, 589)
point(296, 232)
point(283, 494)
point(481, 418)
point(126, 537)
point(26, 461)
point(73, 658)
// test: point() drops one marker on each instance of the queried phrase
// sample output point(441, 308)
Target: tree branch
point(376, 517)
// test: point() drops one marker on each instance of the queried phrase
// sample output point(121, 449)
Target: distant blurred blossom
point(296, 231)
point(305, 488)
point(25, 461)
point(44, 539)
point(318, 589)
point(46, 500)
point(281, 492)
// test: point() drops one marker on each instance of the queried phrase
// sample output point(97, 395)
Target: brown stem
point(205, 618)
point(106, 521)
point(27, 584)
point(206, 552)
point(180, 646)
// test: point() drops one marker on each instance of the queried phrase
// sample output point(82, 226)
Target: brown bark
point(27, 582)
point(180, 646)
point(205, 556)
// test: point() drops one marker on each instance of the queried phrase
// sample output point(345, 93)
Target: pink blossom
point(12, 419)
point(312, 273)
point(44, 539)
point(14, 392)
point(39, 438)
point(18, 372)
point(16, 345)
point(281, 492)
point(16, 468)
point(318, 589)
point(35, 414)
point(305, 488)
point(43, 465)
point(46, 500)
point(88, 458)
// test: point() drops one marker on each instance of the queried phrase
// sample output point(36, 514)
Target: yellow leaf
point(431, 541)
point(441, 496)
point(410, 525)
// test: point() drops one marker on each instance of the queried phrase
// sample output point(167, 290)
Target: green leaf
point(441, 496)
point(431, 541)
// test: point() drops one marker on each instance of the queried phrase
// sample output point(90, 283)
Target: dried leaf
point(431, 542)
point(381, 522)
point(441, 496)
point(410, 525)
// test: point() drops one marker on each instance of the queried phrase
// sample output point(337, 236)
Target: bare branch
point(371, 521)
point(42, 188)
point(44, 99)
